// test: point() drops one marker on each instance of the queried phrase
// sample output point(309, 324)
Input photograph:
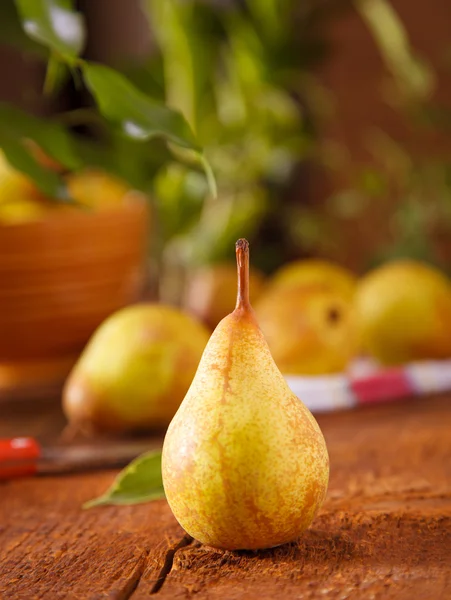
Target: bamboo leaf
point(21, 159)
point(12, 33)
point(55, 24)
point(138, 116)
point(173, 28)
point(51, 137)
point(412, 74)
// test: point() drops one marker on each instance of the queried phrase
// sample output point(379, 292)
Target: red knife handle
point(18, 457)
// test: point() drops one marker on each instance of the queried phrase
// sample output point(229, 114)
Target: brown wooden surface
point(384, 531)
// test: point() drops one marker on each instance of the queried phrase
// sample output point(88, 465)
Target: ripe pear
point(135, 370)
point(315, 271)
point(245, 465)
point(13, 183)
point(310, 329)
point(20, 200)
point(22, 210)
point(404, 313)
point(211, 295)
point(97, 189)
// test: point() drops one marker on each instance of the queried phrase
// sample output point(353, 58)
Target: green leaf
point(138, 116)
point(173, 27)
point(209, 174)
point(273, 16)
point(18, 127)
point(21, 159)
point(54, 24)
point(140, 481)
point(12, 33)
point(413, 75)
point(51, 137)
point(56, 75)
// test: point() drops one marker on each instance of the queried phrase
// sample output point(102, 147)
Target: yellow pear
point(245, 465)
point(310, 330)
point(315, 271)
point(135, 370)
point(210, 293)
point(13, 182)
point(97, 189)
point(22, 210)
point(404, 313)
point(20, 200)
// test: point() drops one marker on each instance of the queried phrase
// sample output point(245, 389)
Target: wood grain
point(384, 531)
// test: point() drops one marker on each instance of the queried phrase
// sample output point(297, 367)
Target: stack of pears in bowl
point(63, 269)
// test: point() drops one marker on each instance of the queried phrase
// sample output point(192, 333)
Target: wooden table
point(383, 533)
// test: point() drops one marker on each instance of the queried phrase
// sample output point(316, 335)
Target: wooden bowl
point(60, 277)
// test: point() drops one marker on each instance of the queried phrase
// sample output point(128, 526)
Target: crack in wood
point(169, 561)
point(136, 577)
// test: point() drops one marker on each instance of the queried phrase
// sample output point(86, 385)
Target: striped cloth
point(367, 383)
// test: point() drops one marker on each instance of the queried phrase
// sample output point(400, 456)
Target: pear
point(135, 370)
point(20, 199)
point(22, 209)
point(13, 183)
point(315, 271)
point(97, 189)
point(245, 465)
point(310, 329)
point(404, 312)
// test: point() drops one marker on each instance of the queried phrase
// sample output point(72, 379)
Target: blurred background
point(326, 125)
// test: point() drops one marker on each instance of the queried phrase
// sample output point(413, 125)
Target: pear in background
point(315, 271)
point(245, 465)
point(404, 313)
point(20, 200)
point(310, 330)
point(22, 209)
point(13, 182)
point(97, 189)
point(211, 291)
point(135, 370)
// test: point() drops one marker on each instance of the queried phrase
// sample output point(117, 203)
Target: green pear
point(245, 465)
point(404, 312)
point(135, 370)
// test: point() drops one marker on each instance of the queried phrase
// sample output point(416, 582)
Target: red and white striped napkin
point(368, 383)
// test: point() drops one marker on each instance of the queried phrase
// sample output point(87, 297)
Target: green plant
point(219, 71)
point(239, 73)
point(232, 82)
point(129, 112)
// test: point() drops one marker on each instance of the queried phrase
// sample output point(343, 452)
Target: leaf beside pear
point(138, 482)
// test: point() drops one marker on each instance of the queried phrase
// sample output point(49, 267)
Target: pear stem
point(242, 262)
